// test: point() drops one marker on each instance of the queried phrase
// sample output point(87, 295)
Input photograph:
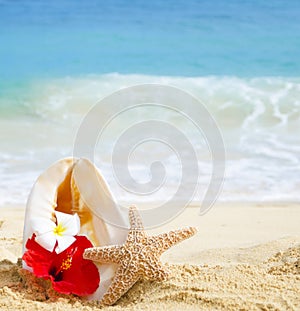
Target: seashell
point(77, 186)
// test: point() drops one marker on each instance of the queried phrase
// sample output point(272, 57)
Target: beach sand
point(244, 257)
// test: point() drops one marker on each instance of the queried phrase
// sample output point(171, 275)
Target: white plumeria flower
point(48, 232)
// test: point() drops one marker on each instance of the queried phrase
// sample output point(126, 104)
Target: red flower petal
point(38, 258)
point(69, 271)
point(82, 278)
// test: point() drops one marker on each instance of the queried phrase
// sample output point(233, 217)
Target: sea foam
point(259, 119)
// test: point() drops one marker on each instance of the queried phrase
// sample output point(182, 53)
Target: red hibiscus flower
point(68, 271)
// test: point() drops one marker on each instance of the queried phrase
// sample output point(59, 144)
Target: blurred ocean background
point(240, 58)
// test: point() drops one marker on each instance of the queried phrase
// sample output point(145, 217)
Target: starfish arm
point(164, 241)
point(155, 272)
point(135, 236)
point(105, 254)
point(135, 219)
point(122, 282)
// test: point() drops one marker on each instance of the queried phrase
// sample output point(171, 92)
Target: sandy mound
point(270, 285)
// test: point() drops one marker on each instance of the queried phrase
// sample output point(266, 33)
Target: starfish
point(138, 257)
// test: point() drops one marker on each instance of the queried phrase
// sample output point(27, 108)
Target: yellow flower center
point(59, 230)
point(66, 264)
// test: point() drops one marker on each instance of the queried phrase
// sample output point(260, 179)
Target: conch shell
point(76, 186)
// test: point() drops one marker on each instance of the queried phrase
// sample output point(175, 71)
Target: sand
point(245, 257)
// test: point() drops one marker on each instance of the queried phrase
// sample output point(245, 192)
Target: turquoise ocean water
point(240, 58)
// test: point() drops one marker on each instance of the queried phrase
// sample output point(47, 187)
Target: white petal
point(70, 222)
point(63, 243)
point(46, 240)
point(41, 225)
point(72, 226)
point(62, 217)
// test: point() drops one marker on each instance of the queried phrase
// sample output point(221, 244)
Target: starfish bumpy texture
point(137, 258)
